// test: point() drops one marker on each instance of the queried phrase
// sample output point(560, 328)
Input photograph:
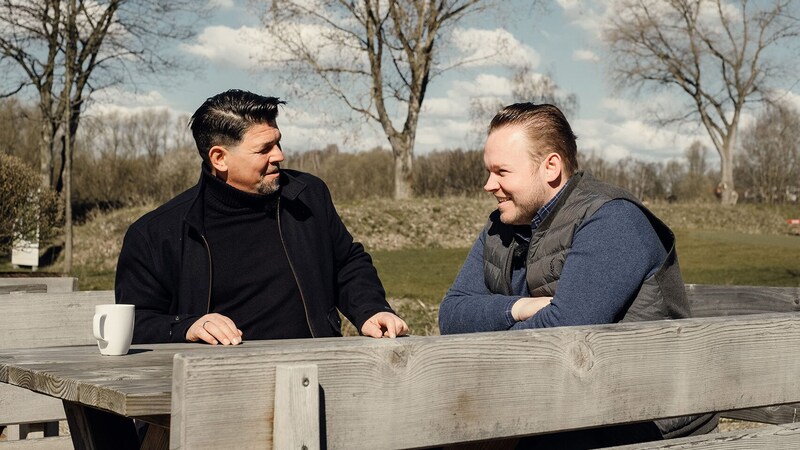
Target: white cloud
point(620, 108)
point(570, 5)
point(222, 4)
point(444, 107)
point(483, 85)
point(115, 100)
point(249, 47)
point(789, 97)
point(635, 138)
point(586, 15)
point(222, 45)
point(443, 135)
point(481, 48)
point(585, 55)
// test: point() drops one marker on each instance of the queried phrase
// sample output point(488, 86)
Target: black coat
point(164, 267)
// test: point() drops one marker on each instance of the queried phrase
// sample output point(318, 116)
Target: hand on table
point(526, 307)
point(384, 324)
point(214, 329)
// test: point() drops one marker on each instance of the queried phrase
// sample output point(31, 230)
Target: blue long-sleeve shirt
point(612, 253)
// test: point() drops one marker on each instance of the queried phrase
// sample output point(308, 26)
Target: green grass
point(706, 257)
point(723, 257)
point(423, 274)
point(94, 280)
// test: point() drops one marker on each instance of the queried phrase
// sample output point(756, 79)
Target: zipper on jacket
point(507, 270)
point(210, 272)
point(291, 266)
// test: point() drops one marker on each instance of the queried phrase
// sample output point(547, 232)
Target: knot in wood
point(581, 356)
point(398, 357)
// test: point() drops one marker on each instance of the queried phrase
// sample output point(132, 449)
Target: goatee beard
point(268, 187)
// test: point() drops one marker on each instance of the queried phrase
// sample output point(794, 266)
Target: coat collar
point(291, 188)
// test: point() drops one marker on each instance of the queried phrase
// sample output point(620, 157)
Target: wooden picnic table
point(102, 393)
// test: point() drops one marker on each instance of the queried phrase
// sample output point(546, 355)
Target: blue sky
point(561, 40)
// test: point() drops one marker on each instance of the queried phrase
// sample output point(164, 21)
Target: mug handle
point(97, 332)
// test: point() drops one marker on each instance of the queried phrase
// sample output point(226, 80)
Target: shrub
point(25, 207)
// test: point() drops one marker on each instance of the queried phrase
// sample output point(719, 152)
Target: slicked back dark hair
point(547, 129)
point(225, 118)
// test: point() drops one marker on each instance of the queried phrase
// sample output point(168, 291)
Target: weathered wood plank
point(775, 437)
point(19, 405)
point(23, 289)
point(53, 284)
point(769, 414)
point(297, 407)
point(36, 320)
point(46, 320)
point(713, 301)
point(138, 384)
point(48, 443)
point(429, 391)
point(157, 438)
point(716, 300)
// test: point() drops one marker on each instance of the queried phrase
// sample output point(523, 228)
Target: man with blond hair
point(563, 248)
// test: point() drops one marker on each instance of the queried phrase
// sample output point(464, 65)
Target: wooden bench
point(37, 284)
point(356, 393)
point(41, 320)
point(714, 301)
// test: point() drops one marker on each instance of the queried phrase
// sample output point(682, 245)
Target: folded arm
point(469, 306)
point(612, 253)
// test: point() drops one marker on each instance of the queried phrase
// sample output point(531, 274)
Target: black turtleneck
point(253, 283)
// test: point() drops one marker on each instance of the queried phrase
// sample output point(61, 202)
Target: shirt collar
point(544, 211)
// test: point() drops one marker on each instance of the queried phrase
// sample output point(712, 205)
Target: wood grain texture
point(53, 284)
point(157, 438)
point(48, 443)
point(138, 384)
point(769, 414)
point(714, 301)
point(297, 413)
point(422, 391)
point(19, 405)
point(37, 320)
point(46, 320)
point(23, 289)
point(776, 437)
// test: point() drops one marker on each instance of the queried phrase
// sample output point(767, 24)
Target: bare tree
point(526, 86)
point(112, 41)
point(375, 56)
point(64, 51)
point(770, 155)
point(721, 55)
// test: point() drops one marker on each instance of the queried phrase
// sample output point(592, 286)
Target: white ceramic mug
point(113, 328)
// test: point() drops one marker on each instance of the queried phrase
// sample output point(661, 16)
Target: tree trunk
point(403, 175)
point(71, 50)
point(725, 189)
point(45, 155)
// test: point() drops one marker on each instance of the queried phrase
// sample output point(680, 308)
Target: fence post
point(297, 412)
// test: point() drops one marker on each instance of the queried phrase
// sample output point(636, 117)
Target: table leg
point(157, 438)
point(94, 429)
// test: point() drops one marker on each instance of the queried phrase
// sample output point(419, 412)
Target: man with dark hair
point(564, 248)
point(252, 251)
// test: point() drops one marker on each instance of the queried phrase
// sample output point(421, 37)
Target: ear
point(552, 166)
point(217, 157)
